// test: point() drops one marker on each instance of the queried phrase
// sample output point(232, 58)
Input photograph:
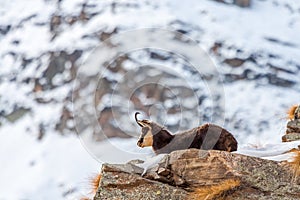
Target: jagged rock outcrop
point(199, 174)
point(293, 126)
point(241, 3)
point(292, 131)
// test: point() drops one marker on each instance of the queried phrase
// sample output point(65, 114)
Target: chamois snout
point(140, 142)
point(146, 138)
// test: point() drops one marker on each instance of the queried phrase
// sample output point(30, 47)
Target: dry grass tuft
point(94, 182)
point(295, 164)
point(209, 192)
point(85, 198)
point(291, 112)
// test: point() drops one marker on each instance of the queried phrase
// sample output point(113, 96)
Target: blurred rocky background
point(43, 47)
point(254, 44)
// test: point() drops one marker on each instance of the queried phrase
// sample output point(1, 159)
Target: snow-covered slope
point(43, 42)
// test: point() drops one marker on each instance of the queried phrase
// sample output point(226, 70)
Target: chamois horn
point(137, 121)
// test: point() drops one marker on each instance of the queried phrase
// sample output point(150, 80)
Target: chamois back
point(207, 136)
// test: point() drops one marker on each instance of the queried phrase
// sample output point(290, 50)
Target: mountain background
point(44, 43)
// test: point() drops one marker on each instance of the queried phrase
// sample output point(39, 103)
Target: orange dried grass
point(209, 192)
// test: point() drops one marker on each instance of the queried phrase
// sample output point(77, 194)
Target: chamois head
point(149, 129)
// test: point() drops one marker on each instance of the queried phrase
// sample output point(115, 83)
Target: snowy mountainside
point(50, 41)
point(44, 42)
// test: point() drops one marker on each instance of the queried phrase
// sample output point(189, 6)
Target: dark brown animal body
point(207, 136)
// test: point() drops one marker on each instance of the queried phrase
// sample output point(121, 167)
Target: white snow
point(47, 169)
point(32, 169)
point(269, 151)
point(151, 162)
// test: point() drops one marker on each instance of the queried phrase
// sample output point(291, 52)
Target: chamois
point(207, 136)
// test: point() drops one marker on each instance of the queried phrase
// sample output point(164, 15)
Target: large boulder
point(199, 174)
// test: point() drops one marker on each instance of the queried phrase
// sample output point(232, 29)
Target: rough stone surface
point(291, 137)
point(292, 131)
point(242, 3)
point(199, 174)
point(124, 182)
point(293, 126)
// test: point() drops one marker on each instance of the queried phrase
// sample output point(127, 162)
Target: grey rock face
point(199, 174)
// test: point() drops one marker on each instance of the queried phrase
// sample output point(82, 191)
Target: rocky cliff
point(199, 174)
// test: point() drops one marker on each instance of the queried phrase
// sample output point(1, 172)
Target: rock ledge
point(199, 174)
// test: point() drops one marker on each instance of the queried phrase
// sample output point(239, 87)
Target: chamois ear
point(142, 123)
